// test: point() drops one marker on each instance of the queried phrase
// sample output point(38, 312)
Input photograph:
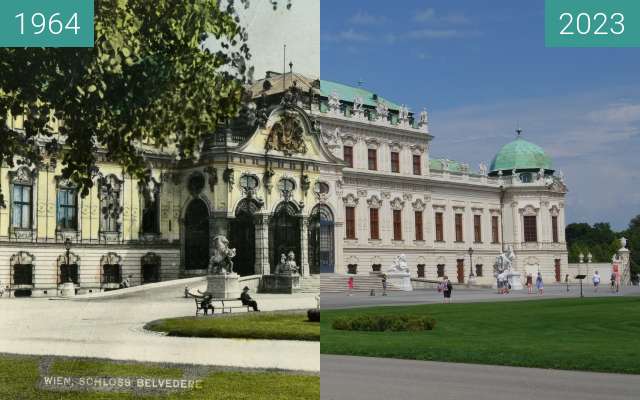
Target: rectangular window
point(417, 164)
point(67, 209)
point(397, 224)
point(495, 231)
point(350, 221)
point(151, 216)
point(418, 225)
point(21, 206)
point(530, 228)
point(439, 228)
point(347, 152)
point(374, 226)
point(395, 162)
point(477, 228)
point(440, 268)
point(479, 270)
point(458, 219)
point(554, 228)
point(372, 156)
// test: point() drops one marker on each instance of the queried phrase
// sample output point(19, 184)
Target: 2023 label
point(592, 23)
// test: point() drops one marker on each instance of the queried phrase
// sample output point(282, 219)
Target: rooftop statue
point(220, 263)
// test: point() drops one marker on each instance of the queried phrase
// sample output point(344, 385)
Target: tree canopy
point(147, 79)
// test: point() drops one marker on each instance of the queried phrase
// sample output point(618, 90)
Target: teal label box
point(46, 23)
point(592, 23)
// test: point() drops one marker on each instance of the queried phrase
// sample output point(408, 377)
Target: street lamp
point(67, 246)
point(472, 277)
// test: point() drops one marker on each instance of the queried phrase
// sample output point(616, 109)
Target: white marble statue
point(287, 265)
point(403, 113)
point(483, 169)
point(399, 265)
point(220, 263)
point(382, 110)
point(357, 103)
point(424, 117)
point(503, 270)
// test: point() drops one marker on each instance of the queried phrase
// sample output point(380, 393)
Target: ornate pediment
point(287, 135)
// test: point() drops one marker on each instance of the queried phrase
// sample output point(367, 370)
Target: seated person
point(205, 304)
point(247, 300)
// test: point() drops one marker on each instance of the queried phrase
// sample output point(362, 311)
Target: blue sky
point(480, 68)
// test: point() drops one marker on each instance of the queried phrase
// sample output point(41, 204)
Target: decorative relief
point(529, 210)
point(362, 193)
point(287, 135)
point(350, 200)
point(418, 205)
point(397, 204)
point(407, 196)
point(374, 202)
point(386, 195)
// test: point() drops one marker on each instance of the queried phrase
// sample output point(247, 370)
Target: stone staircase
point(310, 284)
point(336, 283)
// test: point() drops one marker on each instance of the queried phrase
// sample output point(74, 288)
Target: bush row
point(381, 323)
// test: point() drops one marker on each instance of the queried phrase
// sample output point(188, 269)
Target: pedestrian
point(566, 280)
point(596, 281)
point(447, 287)
point(530, 283)
point(618, 279)
point(1, 289)
point(350, 285)
point(539, 284)
point(384, 284)
point(205, 304)
point(613, 281)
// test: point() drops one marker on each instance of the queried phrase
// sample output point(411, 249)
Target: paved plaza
point(364, 378)
point(112, 328)
point(462, 295)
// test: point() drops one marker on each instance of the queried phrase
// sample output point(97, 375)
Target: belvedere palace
point(337, 175)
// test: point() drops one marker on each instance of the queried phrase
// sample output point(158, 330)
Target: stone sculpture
point(220, 263)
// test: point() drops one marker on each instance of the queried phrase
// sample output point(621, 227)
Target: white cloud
point(429, 15)
point(434, 34)
point(349, 35)
point(425, 15)
point(364, 18)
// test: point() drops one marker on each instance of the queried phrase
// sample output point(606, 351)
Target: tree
point(599, 240)
point(633, 236)
point(147, 79)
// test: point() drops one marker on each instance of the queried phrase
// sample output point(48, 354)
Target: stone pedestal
point(224, 286)
point(280, 284)
point(515, 281)
point(68, 289)
point(399, 280)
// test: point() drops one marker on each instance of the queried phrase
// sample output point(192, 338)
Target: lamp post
point(472, 277)
point(67, 246)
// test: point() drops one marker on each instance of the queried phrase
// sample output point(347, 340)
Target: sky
point(481, 69)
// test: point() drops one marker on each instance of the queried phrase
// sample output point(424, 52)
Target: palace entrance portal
point(196, 246)
point(242, 235)
point(321, 243)
point(284, 233)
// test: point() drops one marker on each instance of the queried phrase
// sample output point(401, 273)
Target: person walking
point(618, 279)
point(539, 284)
point(596, 281)
point(530, 283)
point(1, 289)
point(613, 282)
point(350, 285)
point(384, 284)
point(566, 281)
point(447, 287)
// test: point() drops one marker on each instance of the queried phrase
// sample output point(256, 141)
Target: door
point(460, 271)
point(284, 233)
point(196, 247)
point(557, 265)
point(243, 239)
point(321, 241)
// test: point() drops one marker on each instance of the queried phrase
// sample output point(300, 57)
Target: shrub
point(313, 315)
point(381, 323)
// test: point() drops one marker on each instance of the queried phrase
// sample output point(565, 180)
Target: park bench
point(226, 305)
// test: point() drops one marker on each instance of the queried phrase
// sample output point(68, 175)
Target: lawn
point(264, 325)
point(596, 334)
point(19, 376)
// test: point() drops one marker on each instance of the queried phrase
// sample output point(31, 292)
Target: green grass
point(78, 367)
point(277, 326)
point(597, 334)
point(19, 376)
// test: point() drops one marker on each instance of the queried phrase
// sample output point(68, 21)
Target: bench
point(226, 305)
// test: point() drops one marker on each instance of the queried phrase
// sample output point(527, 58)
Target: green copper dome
point(520, 155)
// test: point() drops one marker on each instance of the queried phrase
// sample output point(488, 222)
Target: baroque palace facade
point(336, 174)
